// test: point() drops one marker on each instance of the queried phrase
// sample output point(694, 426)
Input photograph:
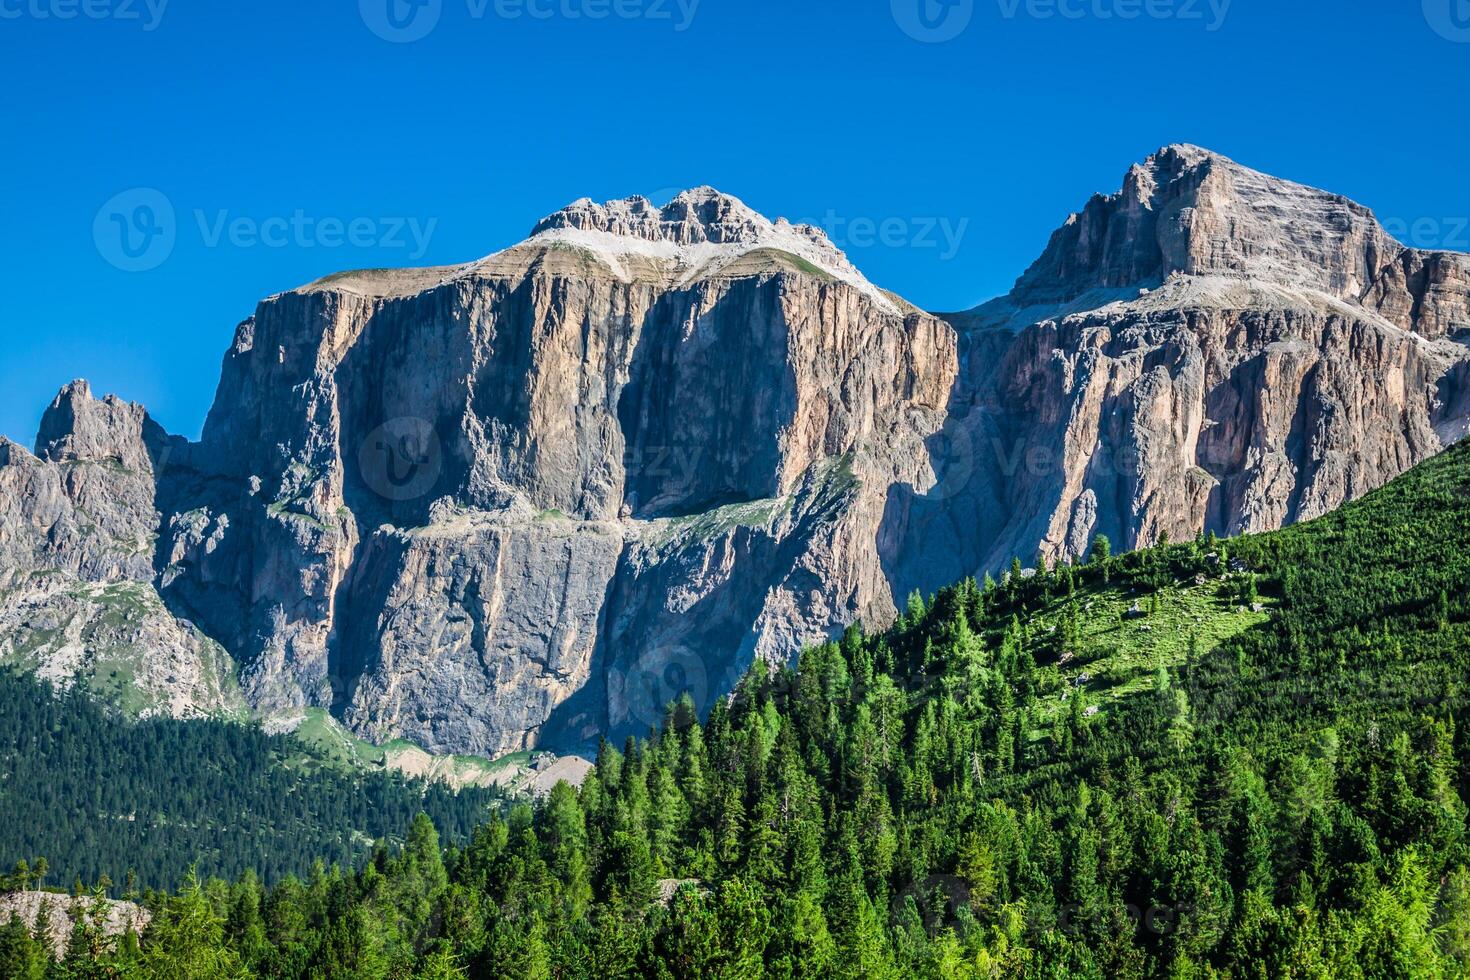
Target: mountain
point(1241, 758)
point(78, 530)
point(530, 500)
point(1208, 349)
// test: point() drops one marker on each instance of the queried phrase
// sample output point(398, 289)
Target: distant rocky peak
point(12, 453)
point(1163, 171)
point(79, 428)
point(701, 231)
point(699, 216)
point(1188, 211)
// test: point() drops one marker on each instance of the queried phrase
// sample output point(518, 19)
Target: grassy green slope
point(1361, 611)
point(1375, 613)
point(1239, 759)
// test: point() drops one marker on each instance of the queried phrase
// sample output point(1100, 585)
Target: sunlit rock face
point(1208, 349)
point(528, 501)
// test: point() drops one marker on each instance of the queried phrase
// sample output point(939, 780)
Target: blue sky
point(291, 139)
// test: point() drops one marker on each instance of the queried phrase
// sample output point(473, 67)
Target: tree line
point(1290, 803)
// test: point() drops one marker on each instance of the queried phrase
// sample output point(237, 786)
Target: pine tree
point(19, 879)
point(441, 964)
point(185, 940)
point(21, 956)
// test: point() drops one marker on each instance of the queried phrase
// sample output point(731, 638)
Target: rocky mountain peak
point(1163, 168)
point(699, 216)
point(11, 452)
point(701, 232)
point(1189, 211)
point(530, 500)
point(77, 427)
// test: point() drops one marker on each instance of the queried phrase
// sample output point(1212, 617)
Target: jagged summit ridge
point(701, 231)
point(1208, 348)
point(77, 426)
point(1202, 227)
point(1186, 210)
point(700, 234)
point(699, 216)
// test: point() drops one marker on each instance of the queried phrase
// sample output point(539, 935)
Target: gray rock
point(120, 916)
point(78, 525)
point(531, 500)
point(1287, 357)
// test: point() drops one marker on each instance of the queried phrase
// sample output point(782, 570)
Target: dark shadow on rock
point(702, 408)
point(1453, 392)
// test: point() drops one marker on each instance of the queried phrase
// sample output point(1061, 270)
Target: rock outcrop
point(537, 496)
point(115, 919)
point(530, 500)
point(78, 526)
point(1209, 349)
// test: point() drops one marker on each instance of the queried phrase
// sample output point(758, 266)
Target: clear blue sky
point(250, 110)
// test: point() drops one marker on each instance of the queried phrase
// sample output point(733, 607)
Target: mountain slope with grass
point(1224, 758)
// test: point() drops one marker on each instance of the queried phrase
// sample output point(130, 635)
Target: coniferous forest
point(97, 797)
point(1243, 758)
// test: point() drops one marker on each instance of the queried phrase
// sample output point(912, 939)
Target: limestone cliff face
point(528, 501)
point(84, 502)
point(1209, 349)
point(1187, 212)
point(78, 521)
point(62, 912)
point(467, 507)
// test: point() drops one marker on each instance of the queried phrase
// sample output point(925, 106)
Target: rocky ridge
point(78, 524)
point(539, 497)
point(1208, 349)
point(528, 500)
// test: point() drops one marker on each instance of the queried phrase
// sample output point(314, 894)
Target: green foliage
point(102, 798)
point(1267, 794)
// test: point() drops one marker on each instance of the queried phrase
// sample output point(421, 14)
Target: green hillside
point(98, 795)
point(1239, 759)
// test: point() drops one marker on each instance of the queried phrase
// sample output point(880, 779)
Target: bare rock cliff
point(78, 525)
point(528, 501)
point(1208, 349)
point(545, 493)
